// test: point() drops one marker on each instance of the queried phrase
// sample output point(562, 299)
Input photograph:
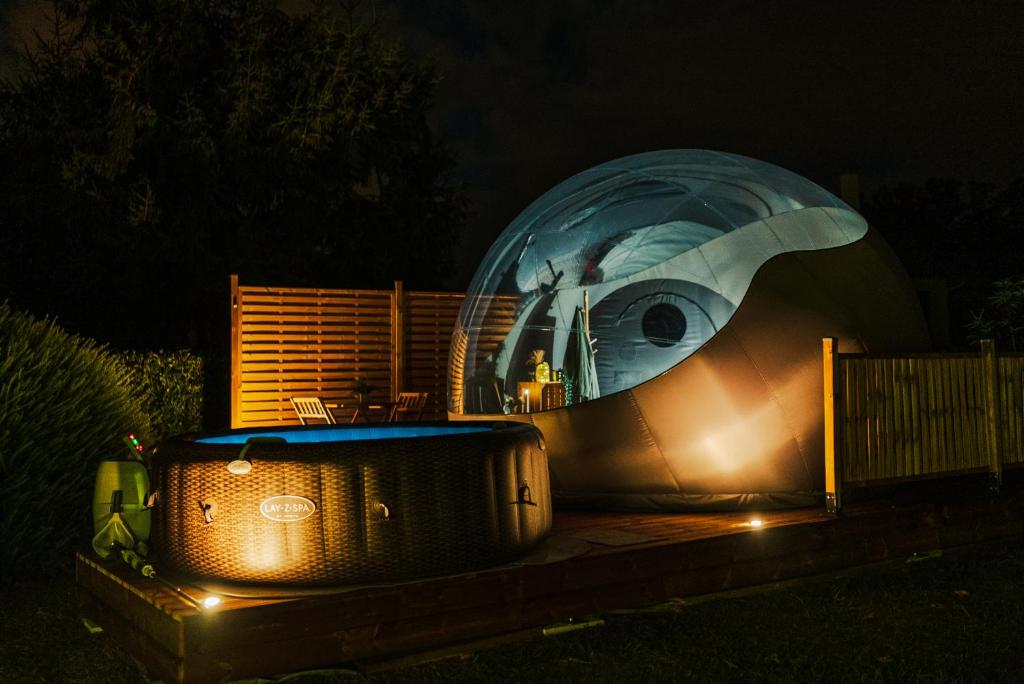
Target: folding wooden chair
point(409, 403)
point(311, 407)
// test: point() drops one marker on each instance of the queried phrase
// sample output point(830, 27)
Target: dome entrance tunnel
point(659, 317)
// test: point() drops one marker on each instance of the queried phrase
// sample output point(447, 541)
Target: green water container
point(131, 478)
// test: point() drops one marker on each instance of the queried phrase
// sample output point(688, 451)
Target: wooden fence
point(299, 341)
point(893, 418)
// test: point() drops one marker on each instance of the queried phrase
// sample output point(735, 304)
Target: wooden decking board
point(160, 663)
point(141, 601)
point(681, 555)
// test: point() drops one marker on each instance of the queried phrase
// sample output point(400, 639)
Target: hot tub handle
point(209, 509)
point(523, 496)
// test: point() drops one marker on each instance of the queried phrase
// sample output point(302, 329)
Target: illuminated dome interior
point(661, 246)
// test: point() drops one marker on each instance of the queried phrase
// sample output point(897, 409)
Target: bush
point(171, 386)
point(1002, 319)
point(65, 404)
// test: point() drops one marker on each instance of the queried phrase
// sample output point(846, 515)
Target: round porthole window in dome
point(663, 325)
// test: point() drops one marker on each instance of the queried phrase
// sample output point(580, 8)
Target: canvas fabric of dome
point(666, 246)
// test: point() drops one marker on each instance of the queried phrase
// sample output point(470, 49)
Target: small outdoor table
point(364, 410)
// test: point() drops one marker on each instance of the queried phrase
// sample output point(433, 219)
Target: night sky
point(534, 92)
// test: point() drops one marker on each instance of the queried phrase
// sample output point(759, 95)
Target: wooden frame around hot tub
point(627, 560)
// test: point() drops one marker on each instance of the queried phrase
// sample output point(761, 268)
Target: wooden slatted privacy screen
point(289, 342)
point(892, 418)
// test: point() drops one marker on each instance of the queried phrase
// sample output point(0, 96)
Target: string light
point(133, 443)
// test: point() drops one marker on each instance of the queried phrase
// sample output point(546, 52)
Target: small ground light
point(211, 601)
point(756, 522)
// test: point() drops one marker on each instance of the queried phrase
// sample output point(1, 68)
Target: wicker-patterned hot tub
point(339, 505)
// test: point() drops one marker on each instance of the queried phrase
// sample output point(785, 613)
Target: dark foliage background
point(169, 385)
point(152, 148)
point(965, 234)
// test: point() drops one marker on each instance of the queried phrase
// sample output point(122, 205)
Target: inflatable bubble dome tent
point(659, 318)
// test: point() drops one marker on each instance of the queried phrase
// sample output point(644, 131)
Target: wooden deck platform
point(594, 562)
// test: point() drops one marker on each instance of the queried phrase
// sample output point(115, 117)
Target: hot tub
point(329, 505)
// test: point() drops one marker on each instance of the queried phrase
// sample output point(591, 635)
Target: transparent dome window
point(621, 272)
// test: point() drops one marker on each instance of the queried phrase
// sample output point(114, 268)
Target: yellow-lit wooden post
point(397, 340)
point(989, 370)
point(236, 355)
point(833, 475)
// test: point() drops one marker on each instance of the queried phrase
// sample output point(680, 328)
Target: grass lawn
point(958, 617)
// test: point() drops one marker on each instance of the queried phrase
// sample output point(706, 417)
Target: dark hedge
point(65, 404)
point(171, 389)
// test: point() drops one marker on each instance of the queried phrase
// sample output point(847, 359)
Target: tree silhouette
point(966, 235)
point(150, 148)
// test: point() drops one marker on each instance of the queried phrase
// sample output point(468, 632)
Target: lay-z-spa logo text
point(287, 508)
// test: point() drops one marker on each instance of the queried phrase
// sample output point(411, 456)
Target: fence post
point(991, 380)
point(833, 474)
point(397, 340)
point(236, 355)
